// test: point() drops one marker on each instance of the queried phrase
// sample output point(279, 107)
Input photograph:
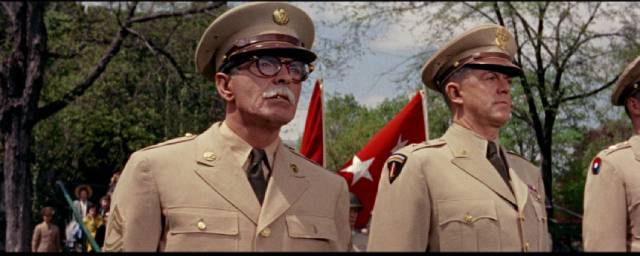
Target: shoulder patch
point(430, 144)
point(395, 162)
point(187, 137)
point(595, 165)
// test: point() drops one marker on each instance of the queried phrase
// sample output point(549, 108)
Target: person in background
point(92, 221)
point(105, 204)
point(358, 237)
point(46, 235)
point(611, 214)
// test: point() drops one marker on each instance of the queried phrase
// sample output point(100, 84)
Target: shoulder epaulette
point(293, 150)
point(614, 148)
point(511, 152)
point(186, 137)
point(429, 144)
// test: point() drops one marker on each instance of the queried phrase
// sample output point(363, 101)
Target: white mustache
point(280, 91)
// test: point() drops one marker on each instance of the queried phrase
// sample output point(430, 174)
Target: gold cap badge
point(280, 17)
point(502, 38)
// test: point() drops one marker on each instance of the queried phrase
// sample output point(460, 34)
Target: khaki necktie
point(255, 174)
point(493, 155)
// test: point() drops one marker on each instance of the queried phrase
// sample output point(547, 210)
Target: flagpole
point(425, 113)
point(324, 149)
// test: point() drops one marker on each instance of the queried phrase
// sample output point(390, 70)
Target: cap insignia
point(501, 38)
point(280, 17)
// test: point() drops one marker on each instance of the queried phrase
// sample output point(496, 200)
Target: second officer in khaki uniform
point(236, 186)
point(612, 192)
point(463, 191)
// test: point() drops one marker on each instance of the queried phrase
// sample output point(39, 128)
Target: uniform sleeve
point(135, 221)
point(402, 211)
point(605, 212)
point(342, 218)
point(35, 239)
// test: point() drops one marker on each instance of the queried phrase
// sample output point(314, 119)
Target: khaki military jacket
point(188, 194)
point(448, 197)
point(611, 220)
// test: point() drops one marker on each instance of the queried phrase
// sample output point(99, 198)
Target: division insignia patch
point(595, 166)
point(395, 164)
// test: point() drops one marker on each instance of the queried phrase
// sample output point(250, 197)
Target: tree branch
point(587, 94)
point(478, 10)
point(177, 14)
point(155, 50)
point(80, 88)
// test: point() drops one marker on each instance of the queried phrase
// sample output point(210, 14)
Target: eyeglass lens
point(270, 66)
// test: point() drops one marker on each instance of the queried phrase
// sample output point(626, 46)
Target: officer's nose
point(283, 76)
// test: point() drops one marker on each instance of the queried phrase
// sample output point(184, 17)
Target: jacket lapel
point(470, 157)
point(520, 189)
point(285, 187)
point(224, 174)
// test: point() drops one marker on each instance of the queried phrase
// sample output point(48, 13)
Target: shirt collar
point(240, 150)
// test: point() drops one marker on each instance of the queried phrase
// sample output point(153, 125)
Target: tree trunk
point(21, 80)
point(17, 187)
point(547, 175)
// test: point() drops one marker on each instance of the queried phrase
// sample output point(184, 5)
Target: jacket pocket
point(195, 229)
point(311, 233)
point(468, 225)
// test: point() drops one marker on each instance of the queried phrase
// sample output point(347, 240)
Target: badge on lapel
point(595, 166)
point(395, 164)
point(534, 191)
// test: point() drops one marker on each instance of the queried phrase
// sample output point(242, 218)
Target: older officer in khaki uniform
point(236, 186)
point(612, 192)
point(463, 191)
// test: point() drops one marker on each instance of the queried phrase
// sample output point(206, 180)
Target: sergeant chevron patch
point(395, 164)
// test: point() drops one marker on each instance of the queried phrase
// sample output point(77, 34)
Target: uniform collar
point(635, 145)
point(467, 141)
point(240, 149)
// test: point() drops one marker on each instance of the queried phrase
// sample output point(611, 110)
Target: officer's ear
point(452, 91)
point(633, 106)
point(222, 86)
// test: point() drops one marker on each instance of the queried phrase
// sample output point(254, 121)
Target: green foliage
point(140, 99)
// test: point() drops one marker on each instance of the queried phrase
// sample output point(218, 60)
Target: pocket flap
point(466, 211)
point(301, 226)
point(202, 220)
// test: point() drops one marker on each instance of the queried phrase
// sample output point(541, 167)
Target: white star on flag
point(359, 169)
point(400, 144)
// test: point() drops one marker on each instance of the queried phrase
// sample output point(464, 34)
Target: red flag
point(312, 138)
point(363, 171)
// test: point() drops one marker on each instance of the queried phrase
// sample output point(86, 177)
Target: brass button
point(526, 246)
point(201, 225)
point(468, 218)
point(209, 156)
point(266, 232)
point(294, 168)
point(521, 218)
